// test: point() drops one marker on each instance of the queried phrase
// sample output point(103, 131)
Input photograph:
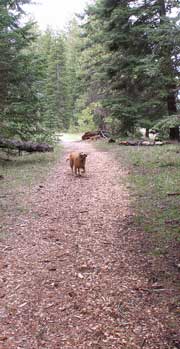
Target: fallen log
point(28, 146)
point(142, 143)
point(88, 135)
point(132, 143)
point(94, 138)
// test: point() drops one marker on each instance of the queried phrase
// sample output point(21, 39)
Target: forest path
point(73, 272)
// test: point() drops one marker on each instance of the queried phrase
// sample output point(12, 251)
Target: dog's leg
point(72, 165)
point(78, 172)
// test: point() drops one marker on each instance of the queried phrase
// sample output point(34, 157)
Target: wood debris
point(77, 275)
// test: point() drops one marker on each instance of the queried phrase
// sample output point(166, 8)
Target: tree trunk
point(147, 133)
point(174, 134)
point(171, 103)
point(29, 146)
point(162, 9)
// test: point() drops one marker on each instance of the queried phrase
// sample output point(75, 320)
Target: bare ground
point(75, 273)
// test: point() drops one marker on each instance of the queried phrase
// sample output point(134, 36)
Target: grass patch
point(27, 169)
point(153, 174)
point(20, 173)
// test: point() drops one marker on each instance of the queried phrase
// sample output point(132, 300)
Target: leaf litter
point(74, 273)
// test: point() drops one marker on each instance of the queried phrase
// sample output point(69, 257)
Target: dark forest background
point(116, 67)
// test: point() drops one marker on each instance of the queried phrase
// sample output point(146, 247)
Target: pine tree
point(140, 68)
point(93, 83)
point(12, 39)
point(20, 104)
point(72, 71)
point(52, 48)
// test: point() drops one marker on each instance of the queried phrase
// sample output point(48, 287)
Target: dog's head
point(82, 156)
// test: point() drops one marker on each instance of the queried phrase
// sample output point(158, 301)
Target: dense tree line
point(37, 76)
point(117, 67)
point(134, 66)
point(18, 100)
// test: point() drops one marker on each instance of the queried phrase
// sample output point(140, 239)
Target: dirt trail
point(73, 273)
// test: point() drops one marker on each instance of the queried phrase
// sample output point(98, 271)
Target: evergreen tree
point(54, 83)
point(12, 39)
point(93, 86)
point(19, 107)
point(72, 71)
point(140, 66)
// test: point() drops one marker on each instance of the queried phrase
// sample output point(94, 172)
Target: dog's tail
point(67, 159)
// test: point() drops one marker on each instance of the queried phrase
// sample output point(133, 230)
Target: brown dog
point(77, 161)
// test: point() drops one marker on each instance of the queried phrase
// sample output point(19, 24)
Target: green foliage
point(73, 68)
point(19, 88)
point(59, 85)
point(52, 48)
point(37, 88)
point(86, 120)
point(118, 69)
point(136, 71)
point(171, 121)
point(165, 124)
